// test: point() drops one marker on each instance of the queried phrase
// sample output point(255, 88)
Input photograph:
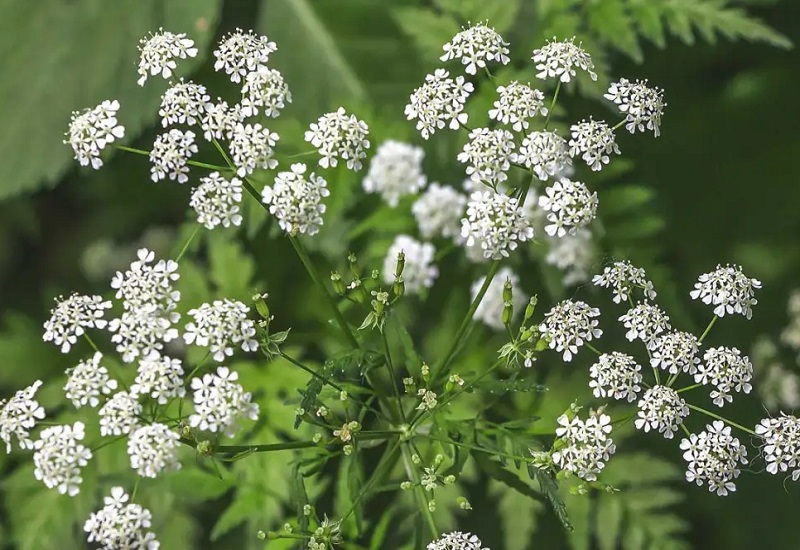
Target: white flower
point(496, 222)
point(560, 59)
point(488, 155)
point(676, 352)
point(220, 326)
point(153, 449)
point(457, 541)
point(296, 201)
point(516, 104)
point(70, 317)
point(220, 402)
point(419, 271)
point(623, 277)
point(594, 141)
point(170, 152)
point(120, 414)
point(438, 212)
point(240, 53)
point(714, 457)
point(546, 153)
point(645, 322)
point(91, 130)
point(160, 377)
point(158, 52)
point(572, 254)
point(586, 445)
point(662, 409)
point(18, 416)
point(727, 370)
point(781, 447)
point(338, 135)
point(568, 325)
point(569, 205)
point(395, 171)
point(217, 201)
point(120, 525)
point(475, 46)
point(183, 103)
point(439, 102)
point(88, 381)
point(59, 457)
point(264, 91)
point(728, 289)
point(218, 120)
point(779, 388)
point(490, 309)
point(642, 105)
point(251, 148)
point(616, 375)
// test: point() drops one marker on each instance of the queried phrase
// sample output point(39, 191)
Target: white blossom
point(153, 449)
point(568, 325)
point(490, 309)
point(240, 53)
point(517, 103)
point(676, 352)
point(419, 271)
point(476, 45)
point(217, 201)
point(70, 318)
point(220, 402)
point(642, 105)
point(781, 448)
point(457, 540)
point(623, 277)
point(645, 322)
point(264, 91)
point(586, 445)
point(18, 416)
point(594, 141)
point(728, 289)
point(158, 52)
point(616, 375)
point(569, 206)
point(560, 59)
point(488, 155)
point(395, 171)
point(296, 200)
point(339, 135)
point(496, 222)
point(251, 148)
point(170, 154)
point(59, 457)
point(439, 103)
point(88, 381)
point(120, 414)
point(220, 326)
point(713, 457)
point(121, 525)
point(91, 130)
point(438, 212)
point(546, 153)
point(573, 255)
point(219, 120)
point(183, 103)
point(727, 370)
point(160, 377)
point(662, 409)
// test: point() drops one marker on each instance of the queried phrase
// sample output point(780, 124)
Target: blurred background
point(721, 184)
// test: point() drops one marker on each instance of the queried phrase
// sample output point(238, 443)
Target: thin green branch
point(718, 417)
point(189, 162)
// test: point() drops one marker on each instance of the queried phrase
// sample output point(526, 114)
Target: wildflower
point(642, 105)
point(616, 375)
point(714, 457)
point(296, 201)
point(59, 457)
point(91, 130)
point(676, 352)
point(457, 541)
point(438, 212)
point(568, 325)
point(18, 416)
point(183, 103)
point(560, 59)
point(594, 141)
point(419, 271)
point(220, 402)
point(395, 171)
point(623, 277)
point(490, 309)
point(779, 388)
point(220, 326)
point(727, 370)
point(572, 254)
point(546, 153)
point(586, 445)
point(158, 52)
point(488, 155)
point(120, 525)
point(70, 318)
point(160, 377)
point(170, 152)
point(216, 201)
point(240, 53)
point(475, 46)
point(120, 414)
point(728, 289)
point(88, 381)
point(251, 148)
point(781, 447)
point(439, 102)
point(516, 104)
point(569, 205)
point(153, 449)
point(496, 222)
point(338, 135)
point(219, 120)
point(264, 90)
point(645, 322)
point(662, 409)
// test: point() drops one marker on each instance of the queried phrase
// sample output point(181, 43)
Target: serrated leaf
point(501, 387)
point(647, 16)
point(549, 486)
point(517, 516)
point(496, 471)
point(429, 30)
point(611, 21)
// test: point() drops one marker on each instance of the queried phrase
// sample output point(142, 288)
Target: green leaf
point(496, 471)
point(196, 485)
point(609, 521)
point(65, 56)
point(549, 486)
point(231, 269)
point(429, 30)
point(246, 504)
point(381, 530)
point(611, 21)
point(518, 515)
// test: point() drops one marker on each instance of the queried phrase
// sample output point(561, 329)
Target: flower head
point(240, 53)
point(488, 155)
point(120, 414)
point(18, 416)
point(183, 103)
point(438, 212)
point(220, 402)
point(476, 45)
point(338, 135)
point(728, 289)
point(569, 205)
point(219, 120)
point(586, 444)
point(439, 103)
point(158, 52)
point(395, 171)
point(546, 153)
point(251, 148)
point(296, 201)
point(560, 59)
point(781, 447)
point(220, 326)
point(623, 277)
point(573, 255)
point(70, 318)
point(59, 457)
point(216, 201)
point(264, 91)
point(516, 104)
point(594, 141)
point(676, 352)
point(662, 409)
point(153, 449)
point(419, 271)
point(642, 105)
point(160, 377)
point(496, 222)
point(120, 525)
point(616, 375)
point(727, 370)
point(88, 381)
point(714, 457)
point(457, 541)
point(645, 322)
point(170, 152)
point(568, 325)
point(91, 130)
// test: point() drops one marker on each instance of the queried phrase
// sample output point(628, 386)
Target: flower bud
point(529, 309)
point(401, 264)
point(260, 302)
point(508, 291)
point(354, 268)
point(399, 287)
point(338, 284)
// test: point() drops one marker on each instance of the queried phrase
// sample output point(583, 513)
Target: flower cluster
point(170, 154)
point(676, 352)
point(91, 130)
point(490, 309)
point(219, 120)
point(296, 201)
point(395, 171)
point(18, 416)
point(159, 51)
point(265, 92)
point(88, 381)
point(160, 377)
point(727, 370)
point(516, 104)
point(457, 541)
point(70, 318)
point(419, 271)
point(488, 155)
point(183, 103)
point(642, 105)
point(781, 447)
point(616, 375)
point(59, 457)
point(594, 141)
point(645, 322)
point(220, 326)
point(439, 103)
point(120, 524)
point(662, 409)
point(438, 212)
point(569, 206)
point(339, 135)
point(216, 201)
point(496, 223)
point(568, 325)
point(728, 289)
point(220, 402)
point(560, 59)
point(251, 148)
point(714, 457)
point(585, 444)
point(120, 414)
point(240, 53)
point(153, 449)
point(546, 153)
point(475, 46)
point(623, 277)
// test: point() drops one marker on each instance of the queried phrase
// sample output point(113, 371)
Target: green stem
point(189, 162)
point(105, 443)
point(387, 463)
point(419, 492)
point(687, 388)
point(708, 328)
point(594, 349)
point(718, 417)
point(91, 342)
point(265, 448)
point(552, 104)
point(393, 377)
point(491, 452)
point(188, 242)
point(618, 124)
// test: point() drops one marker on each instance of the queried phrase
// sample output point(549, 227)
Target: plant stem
point(552, 104)
point(479, 449)
point(708, 328)
point(188, 242)
point(687, 388)
point(189, 162)
point(419, 493)
point(392, 377)
point(387, 463)
point(718, 417)
point(594, 349)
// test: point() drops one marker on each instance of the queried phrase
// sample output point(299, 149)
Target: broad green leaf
point(60, 57)
point(611, 21)
point(429, 30)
